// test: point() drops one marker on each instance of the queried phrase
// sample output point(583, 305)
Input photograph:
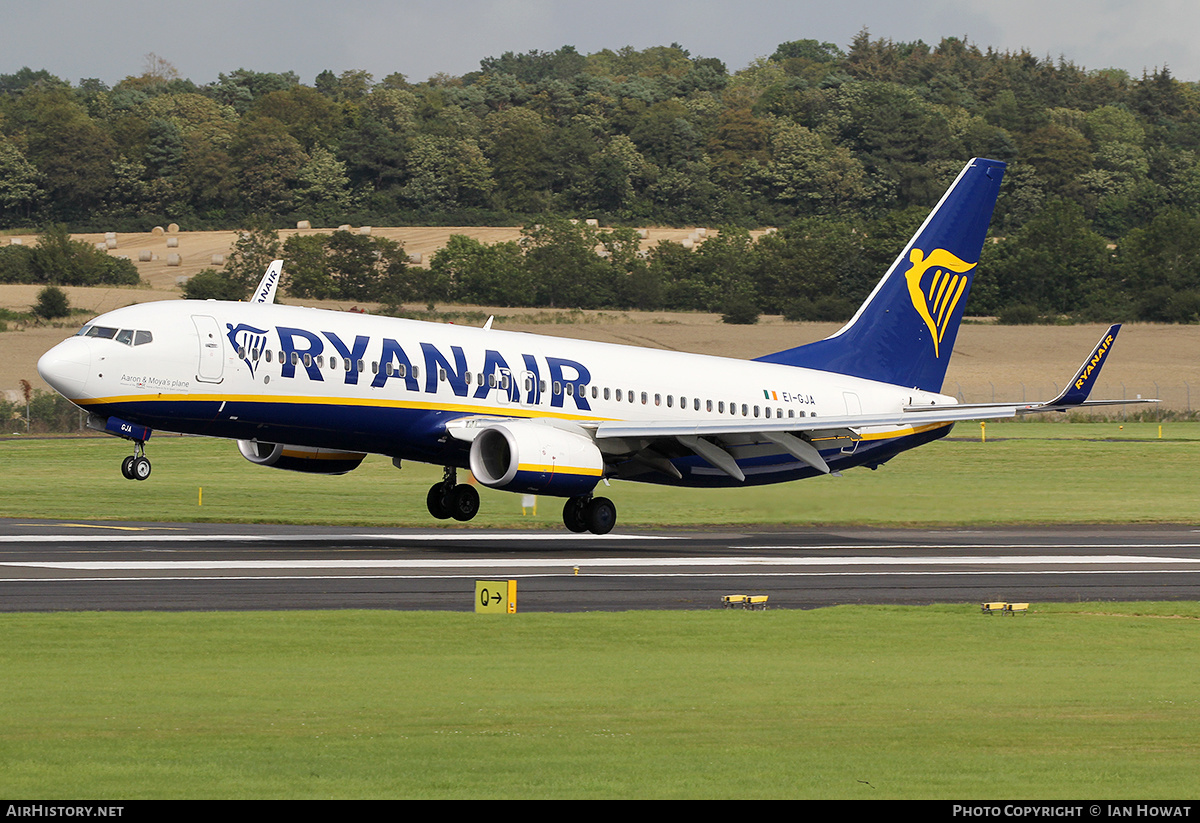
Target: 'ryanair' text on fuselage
point(300, 350)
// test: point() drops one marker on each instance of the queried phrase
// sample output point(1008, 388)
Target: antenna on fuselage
point(265, 293)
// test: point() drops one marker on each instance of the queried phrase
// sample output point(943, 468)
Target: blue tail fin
point(904, 333)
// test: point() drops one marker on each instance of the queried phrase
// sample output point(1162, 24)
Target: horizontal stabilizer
point(1074, 396)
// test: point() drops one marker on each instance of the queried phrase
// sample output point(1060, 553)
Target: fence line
point(48, 412)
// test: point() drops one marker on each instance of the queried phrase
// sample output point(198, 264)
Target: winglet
point(1080, 387)
point(265, 293)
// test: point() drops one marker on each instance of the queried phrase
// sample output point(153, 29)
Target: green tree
point(256, 246)
point(52, 303)
point(210, 284)
point(20, 190)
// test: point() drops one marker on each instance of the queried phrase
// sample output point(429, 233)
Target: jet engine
point(524, 456)
point(300, 458)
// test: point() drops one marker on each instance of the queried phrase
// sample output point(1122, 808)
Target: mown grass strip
point(1068, 701)
point(1024, 473)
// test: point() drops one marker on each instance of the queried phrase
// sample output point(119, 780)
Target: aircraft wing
point(650, 442)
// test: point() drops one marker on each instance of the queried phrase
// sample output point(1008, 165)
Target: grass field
point(1070, 701)
point(1025, 473)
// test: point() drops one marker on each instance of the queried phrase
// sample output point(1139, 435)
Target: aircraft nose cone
point(66, 366)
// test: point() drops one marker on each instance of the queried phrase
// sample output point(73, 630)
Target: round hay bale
point(157, 231)
point(172, 242)
point(110, 235)
point(344, 227)
point(16, 241)
point(174, 260)
point(415, 257)
point(702, 232)
point(303, 224)
point(593, 222)
point(643, 234)
point(173, 228)
point(181, 281)
point(218, 260)
point(145, 256)
point(687, 242)
point(102, 245)
point(110, 244)
point(365, 231)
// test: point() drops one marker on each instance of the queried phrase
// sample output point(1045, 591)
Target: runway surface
point(64, 566)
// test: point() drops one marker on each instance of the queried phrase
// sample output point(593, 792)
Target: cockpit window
point(130, 337)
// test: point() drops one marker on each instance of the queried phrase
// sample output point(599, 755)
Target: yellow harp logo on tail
point(935, 297)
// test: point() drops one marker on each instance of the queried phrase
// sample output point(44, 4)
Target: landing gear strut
point(585, 513)
point(448, 499)
point(136, 466)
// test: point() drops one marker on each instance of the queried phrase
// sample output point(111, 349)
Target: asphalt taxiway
point(63, 566)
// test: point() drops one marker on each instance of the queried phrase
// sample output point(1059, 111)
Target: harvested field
point(990, 362)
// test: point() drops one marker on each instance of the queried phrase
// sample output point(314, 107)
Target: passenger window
point(557, 388)
point(606, 397)
point(268, 355)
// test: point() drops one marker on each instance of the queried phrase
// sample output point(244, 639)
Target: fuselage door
point(211, 368)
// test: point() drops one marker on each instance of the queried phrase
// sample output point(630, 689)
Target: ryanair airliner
point(316, 391)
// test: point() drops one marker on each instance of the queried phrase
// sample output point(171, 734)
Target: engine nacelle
point(523, 456)
point(300, 458)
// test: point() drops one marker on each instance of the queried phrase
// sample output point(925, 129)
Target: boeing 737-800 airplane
point(314, 390)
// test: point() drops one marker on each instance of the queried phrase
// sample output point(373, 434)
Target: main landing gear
point(449, 499)
point(136, 466)
point(585, 513)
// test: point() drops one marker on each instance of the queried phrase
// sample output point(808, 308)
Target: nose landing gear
point(137, 465)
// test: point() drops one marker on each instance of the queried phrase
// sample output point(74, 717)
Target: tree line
point(834, 146)
point(1054, 268)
